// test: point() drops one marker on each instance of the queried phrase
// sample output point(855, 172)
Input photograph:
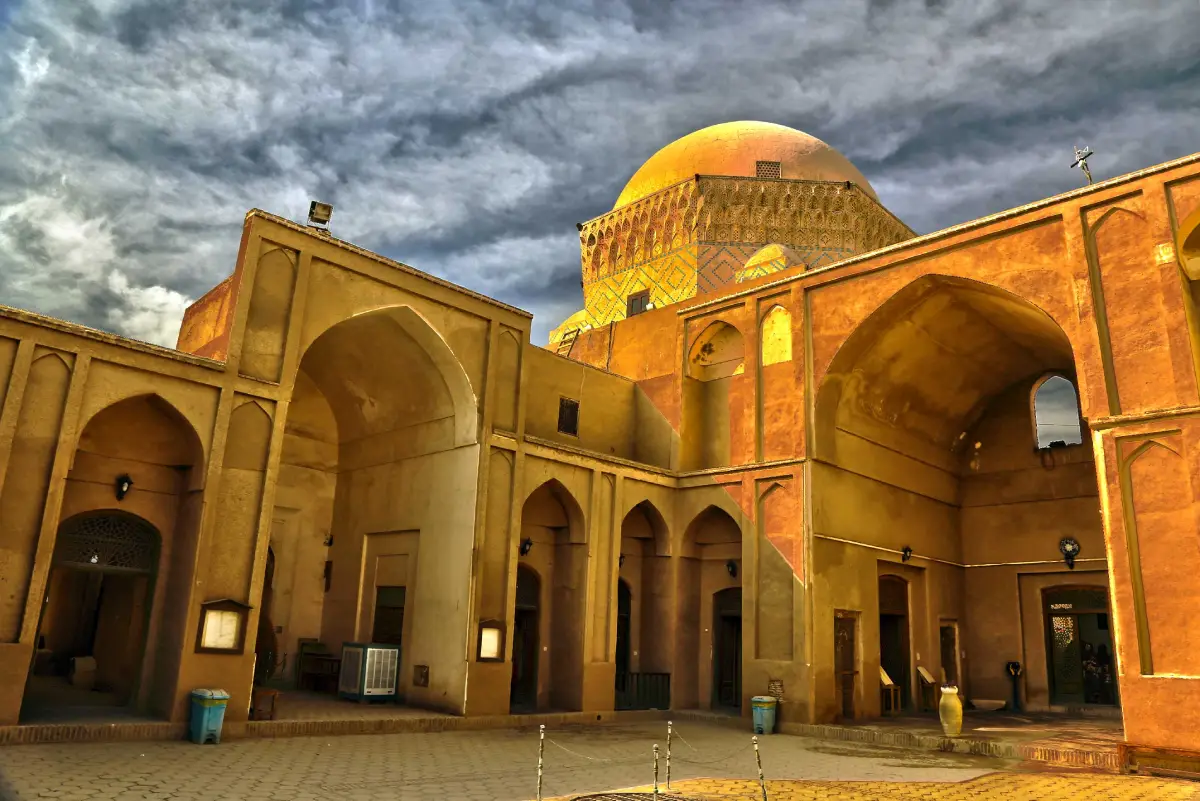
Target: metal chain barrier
point(672, 734)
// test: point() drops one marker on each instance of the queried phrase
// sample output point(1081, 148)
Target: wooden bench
point(891, 693)
point(929, 693)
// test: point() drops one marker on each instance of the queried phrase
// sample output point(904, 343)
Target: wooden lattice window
point(767, 169)
point(568, 416)
point(110, 541)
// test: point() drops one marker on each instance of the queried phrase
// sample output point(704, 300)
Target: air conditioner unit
point(368, 671)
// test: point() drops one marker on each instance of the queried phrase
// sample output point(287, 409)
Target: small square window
point(767, 169)
point(637, 303)
point(568, 416)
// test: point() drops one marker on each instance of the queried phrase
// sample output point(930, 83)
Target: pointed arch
point(362, 333)
point(646, 518)
point(718, 352)
point(776, 336)
point(1055, 410)
point(886, 379)
point(552, 496)
point(248, 443)
point(713, 525)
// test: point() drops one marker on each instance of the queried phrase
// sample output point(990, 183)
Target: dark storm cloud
point(468, 137)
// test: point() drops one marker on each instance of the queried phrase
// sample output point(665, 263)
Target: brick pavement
point(466, 765)
point(1006, 786)
point(469, 765)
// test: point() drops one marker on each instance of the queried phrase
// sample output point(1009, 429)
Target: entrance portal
point(1079, 646)
point(523, 691)
point(92, 632)
point(893, 634)
point(727, 648)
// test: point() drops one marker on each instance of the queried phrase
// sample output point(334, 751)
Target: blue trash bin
point(763, 709)
point(208, 713)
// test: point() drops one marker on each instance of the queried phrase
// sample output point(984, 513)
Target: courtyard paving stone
point(1005, 786)
point(497, 765)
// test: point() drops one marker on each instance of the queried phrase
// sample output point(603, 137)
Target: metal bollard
point(758, 758)
point(541, 755)
point(656, 770)
point(668, 756)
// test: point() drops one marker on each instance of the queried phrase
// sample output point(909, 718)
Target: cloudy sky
point(467, 138)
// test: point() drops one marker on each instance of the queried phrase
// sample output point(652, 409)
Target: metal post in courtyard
point(541, 755)
point(668, 756)
point(758, 758)
point(656, 770)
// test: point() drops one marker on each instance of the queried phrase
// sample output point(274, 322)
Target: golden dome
point(578, 320)
point(733, 149)
point(770, 253)
point(766, 260)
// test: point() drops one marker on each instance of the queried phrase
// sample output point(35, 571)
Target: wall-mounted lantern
point(491, 641)
point(525, 547)
point(731, 566)
point(905, 553)
point(1069, 548)
point(328, 540)
point(122, 486)
point(222, 627)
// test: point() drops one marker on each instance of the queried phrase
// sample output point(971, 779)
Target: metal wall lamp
point(122, 486)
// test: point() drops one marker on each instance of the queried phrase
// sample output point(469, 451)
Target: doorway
point(948, 646)
point(523, 692)
point(387, 628)
point(1079, 646)
point(268, 662)
point(94, 618)
point(624, 632)
point(845, 664)
point(893, 634)
point(727, 649)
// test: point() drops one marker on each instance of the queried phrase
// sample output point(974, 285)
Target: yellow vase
point(950, 712)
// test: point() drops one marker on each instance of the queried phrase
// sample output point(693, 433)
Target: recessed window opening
point(767, 169)
point(637, 303)
point(568, 416)
point(1056, 414)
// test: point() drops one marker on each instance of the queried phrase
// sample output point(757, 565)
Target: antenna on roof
point(1081, 157)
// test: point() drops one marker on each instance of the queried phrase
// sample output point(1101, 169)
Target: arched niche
point(776, 336)
point(644, 644)
point(552, 542)
point(140, 459)
point(710, 563)
point(712, 386)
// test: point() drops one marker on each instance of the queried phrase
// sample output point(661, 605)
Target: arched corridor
point(94, 622)
point(936, 476)
point(113, 605)
point(382, 419)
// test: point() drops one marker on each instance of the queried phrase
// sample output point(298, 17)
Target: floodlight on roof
point(319, 213)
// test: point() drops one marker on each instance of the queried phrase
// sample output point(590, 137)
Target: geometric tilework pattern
point(695, 237)
point(108, 540)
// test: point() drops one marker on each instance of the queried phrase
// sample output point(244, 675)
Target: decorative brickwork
point(696, 236)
